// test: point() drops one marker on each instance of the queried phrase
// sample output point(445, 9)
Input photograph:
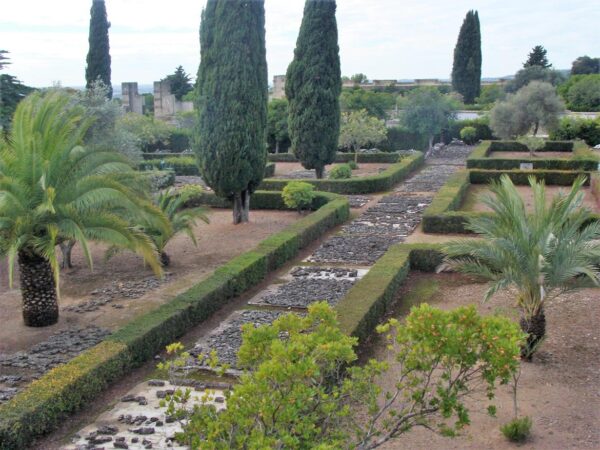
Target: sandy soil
point(525, 155)
point(472, 203)
point(364, 169)
point(559, 390)
point(218, 242)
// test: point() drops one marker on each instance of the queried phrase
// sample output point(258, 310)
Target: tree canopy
point(358, 129)
point(180, 83)
point(278, 136)
point(585, 65)
point(232, 91)
point(466, 70)
point(98, 57)
point(313, 86)
point(537, 57)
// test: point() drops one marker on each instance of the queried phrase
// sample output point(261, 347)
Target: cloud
point(382, 38)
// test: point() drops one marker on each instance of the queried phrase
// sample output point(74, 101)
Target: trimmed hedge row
point(381, 157)
point(514, 146)
point(63, 390)
point(361, 310)
point(583, 159)
point(363, 185)
point(258, 200)
point(521, 177)
point(187, 165)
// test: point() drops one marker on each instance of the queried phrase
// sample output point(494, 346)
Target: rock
point(143, 430)
point(129, 398)
point(156, 383)
point(108, 429)
point(159, 423)
point(120, 444)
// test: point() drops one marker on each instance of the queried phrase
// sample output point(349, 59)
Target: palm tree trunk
point(535, 327)
point(38, 290)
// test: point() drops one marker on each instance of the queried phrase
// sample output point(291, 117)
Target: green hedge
point(521, 177)
point(159, 179)
point(159, 156)
point(363, 307)
point(514, 146)
point(187, 165)
point(269, 170)
point(438, 218)
point(481, 125)
point(381, 157)
point(583, 159)
point(399, 138)
point(48, 401)
point(360, 185)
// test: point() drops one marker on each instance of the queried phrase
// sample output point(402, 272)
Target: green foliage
point(4, 59)
point(353, 165)
point(313, 86)
point(584, 65)
point(401, 138)
point(12, 91)
point(298, 195)
point(232, 97)
point(306, 400)
point(534, 73)
point(469, 135)
point(532, 143)
point(98, 57)
point(52, 189)
point(483, 131)
point(582, 92)
point(149, 133)
point(533, 106)
point(343, 157)
point(47, 402)
point(447, 199)
point(427, 112)
point(358, 129)
point(466, 70)
point(340, 172)
point(278, 137)
point(540, 253)
point(570, 128)
point(180, 83)
point(490, 94)
point(517, 430)
point(359, 78)
point(382, 182)
point(376, 103)
point(537, 57)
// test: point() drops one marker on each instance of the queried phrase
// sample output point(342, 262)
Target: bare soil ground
point(218, 242)
point(364, 169)
point(559, 390)
point(525, 155)
point(472, 202)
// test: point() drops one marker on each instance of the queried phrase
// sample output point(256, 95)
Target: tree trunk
point(241, 207)
point(535, 129)
point(165, 259)
point(38, 290)
point(535, 327)
point(276, 147)
point(66, 248)
point(319, 171)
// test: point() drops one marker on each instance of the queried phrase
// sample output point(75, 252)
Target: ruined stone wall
point(131, 99)
point(165, 103)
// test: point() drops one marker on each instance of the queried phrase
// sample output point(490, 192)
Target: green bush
point(469, 135)
point(159, 179)
point(359, 185)
point(481, 125)
point(183, 165)
point(399, 138)
point(514, 146)
point(571, 128)
point(517, 430)
point(521, 177)
point(179, 140)
point(340, 157)
point(353, 165)
point(298, 195)
point(341, 172)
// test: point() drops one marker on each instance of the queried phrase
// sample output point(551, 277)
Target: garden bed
point(556, 389)
point(295, 171)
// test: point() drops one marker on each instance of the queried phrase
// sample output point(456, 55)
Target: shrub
point(481, 125)
point(298, 195)
point(400, 138)
point(469, 135)
point(353, 165)
point(570, 128)
point(517, 430)
point(341, 172)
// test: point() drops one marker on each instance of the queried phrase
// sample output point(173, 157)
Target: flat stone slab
point(138, 425)
point(226, 339)
point(301, 292)
point(358, 201)
point(430, 179)
point(354, 249)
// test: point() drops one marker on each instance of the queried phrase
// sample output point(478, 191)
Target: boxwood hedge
point(380, 157)
point(48, 401)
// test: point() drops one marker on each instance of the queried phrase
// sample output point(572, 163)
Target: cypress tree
point(313, 85)
point(98, 57)
point(466, 71)
point(232, 92)
point(537, 57)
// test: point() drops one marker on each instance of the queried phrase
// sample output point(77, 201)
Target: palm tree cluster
point(541, 254)
point(53, 190)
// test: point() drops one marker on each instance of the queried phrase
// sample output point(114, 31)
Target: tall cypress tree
point(313, 86)
point(98, 57)
point(232, 92)
point(466, 71)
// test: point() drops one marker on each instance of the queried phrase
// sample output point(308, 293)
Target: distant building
point(278, 87)
point(131, 100)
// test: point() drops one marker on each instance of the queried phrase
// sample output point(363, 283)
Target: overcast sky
point(385, 39)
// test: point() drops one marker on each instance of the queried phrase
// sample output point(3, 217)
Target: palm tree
point(53, 190)
point(541, 254)
point(172, 204)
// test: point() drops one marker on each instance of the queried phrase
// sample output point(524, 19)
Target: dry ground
point(525, 155)
point(364, 169)
point(472, 202)
point(218, 242)
point(559, 390)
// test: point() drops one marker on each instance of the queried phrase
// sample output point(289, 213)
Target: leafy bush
point(353, 165)
point(481, 125)
point(517, 430)
point(341, 172)
point(296, 394)
point(582, 92)
point(469, 135)
point(570, 128)
point(298, 195)
point(400, 138)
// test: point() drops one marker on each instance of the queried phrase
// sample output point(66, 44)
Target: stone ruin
point(166, 106)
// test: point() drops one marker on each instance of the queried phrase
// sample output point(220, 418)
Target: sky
point(384, 39)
